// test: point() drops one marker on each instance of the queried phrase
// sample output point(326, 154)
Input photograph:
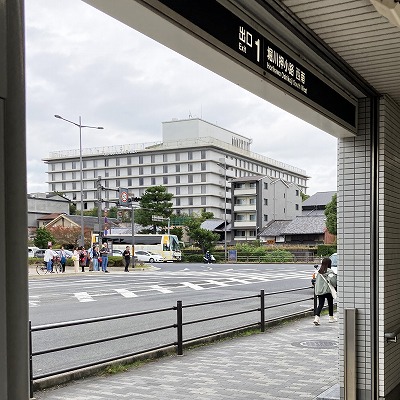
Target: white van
point(31, 251)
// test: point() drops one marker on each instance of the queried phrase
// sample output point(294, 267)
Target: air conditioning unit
point(390, 9)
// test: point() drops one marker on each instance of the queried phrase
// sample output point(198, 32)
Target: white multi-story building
point(194, 161)
point(258, 200)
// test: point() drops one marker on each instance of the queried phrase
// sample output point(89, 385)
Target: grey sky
point(80, 62)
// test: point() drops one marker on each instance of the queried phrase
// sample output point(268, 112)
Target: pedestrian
point(208, 258)
point(325, 279)
point(104, 256)
point(127, 257)
point(95, 257)
point(63, 258)
point(82, 258)
point(48, 258)
point(75, 258)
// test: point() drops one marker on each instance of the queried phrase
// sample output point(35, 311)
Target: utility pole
point(99, 207)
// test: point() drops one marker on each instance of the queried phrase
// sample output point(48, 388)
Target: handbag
point(331, 288)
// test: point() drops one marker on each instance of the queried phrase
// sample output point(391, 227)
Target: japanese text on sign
point(246, 39)
point(286, 70)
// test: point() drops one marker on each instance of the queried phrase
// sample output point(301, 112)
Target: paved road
point(75, 297)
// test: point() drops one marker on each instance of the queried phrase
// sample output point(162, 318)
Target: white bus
point(165, 245)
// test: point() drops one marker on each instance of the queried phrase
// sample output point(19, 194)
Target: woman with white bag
point(325, 285)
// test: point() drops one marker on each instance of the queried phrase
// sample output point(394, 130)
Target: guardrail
point(177, 324)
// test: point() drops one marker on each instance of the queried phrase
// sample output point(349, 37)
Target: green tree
point(72, 208)
point(155, 201)
point(304, 196)
point(42, 238)
point(202, 238)
point(331, 215)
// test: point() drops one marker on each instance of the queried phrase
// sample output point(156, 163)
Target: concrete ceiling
point(358, 34)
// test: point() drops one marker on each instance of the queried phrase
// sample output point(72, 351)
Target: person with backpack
point(325, 284)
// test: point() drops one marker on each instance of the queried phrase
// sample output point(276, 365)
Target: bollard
point(262, 310)
point(30, 362)
point(179, 327)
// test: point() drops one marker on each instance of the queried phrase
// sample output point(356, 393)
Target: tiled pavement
point(285, 362)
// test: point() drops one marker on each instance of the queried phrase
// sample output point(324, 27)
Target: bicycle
point(41, 267)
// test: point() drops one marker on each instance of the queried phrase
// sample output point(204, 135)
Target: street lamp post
point(223, 165)
point(80, 126)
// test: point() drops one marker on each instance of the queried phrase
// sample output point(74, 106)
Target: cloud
point(81, 62)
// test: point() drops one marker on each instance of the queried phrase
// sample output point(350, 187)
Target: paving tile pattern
point(293, 361)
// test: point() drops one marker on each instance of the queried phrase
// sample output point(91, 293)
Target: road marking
point(217, 283)
point(192, 286)
point(239, 281)
point(126, 293)
point(161, 289)
point(84, 297)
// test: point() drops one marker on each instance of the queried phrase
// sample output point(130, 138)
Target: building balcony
point(245, 192)
point(244, 224)
point(244, 207)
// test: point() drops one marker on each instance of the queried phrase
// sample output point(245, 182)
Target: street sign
point(123, 198)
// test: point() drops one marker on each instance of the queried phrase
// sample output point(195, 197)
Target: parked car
point(31, 251)
point(148, 256)
point(116, 253)
point(334, 261)
point(39, 253)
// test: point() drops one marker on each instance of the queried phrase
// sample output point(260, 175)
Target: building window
point(165, 180)
point(153, 169)
point(129, 182)
point(190, 178)
point(252, 201)
point(140, 170)
point(190, 167)
point(73, 196)
point(190, 190)
point(177, 168)
point(178, 179)
point(95, 163)
point(84, 175)
point(106, 174)
point(190, 155)
point(297, 207)
point(117, 172)
point(73, 165)
point(140, 159)
point(203, 189)
point(178, 190)
point(190, 201)
point(252, 185)
point(203, 154)
point(203, 200)
point(106, 162)
point(153, 158)
point(203, 166)
point(265, 217)
point(252, 217)
point(238, 185)
point(117, 162)
point(73, 185)
point(265, 202)
point(252, 233)
point(140, 181)
point(266, 185)
point(117, 182)
point(297, 192)
point(130, 170)
point(129, 160)
point(177, 202)
point(204, 177)
point(177, 156)
point(64, 186)
point(153, 181)
point(165, 169)
point(62, 166)
point(165, 157)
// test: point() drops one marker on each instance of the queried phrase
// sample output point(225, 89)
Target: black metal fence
point(177, 324)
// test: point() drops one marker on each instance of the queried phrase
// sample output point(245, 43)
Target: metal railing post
point(30, 362)
point(262, 310)
point(179, 327)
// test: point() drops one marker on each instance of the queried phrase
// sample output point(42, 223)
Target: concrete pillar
point(369, 246)
point(14, 374)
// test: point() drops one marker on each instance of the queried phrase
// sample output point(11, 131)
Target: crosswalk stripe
point(83, 297)
point(161, 289)
point(126, 293)
point(192, 286)
point(217, 283)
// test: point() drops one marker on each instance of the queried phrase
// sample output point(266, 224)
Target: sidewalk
point(282, 363)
